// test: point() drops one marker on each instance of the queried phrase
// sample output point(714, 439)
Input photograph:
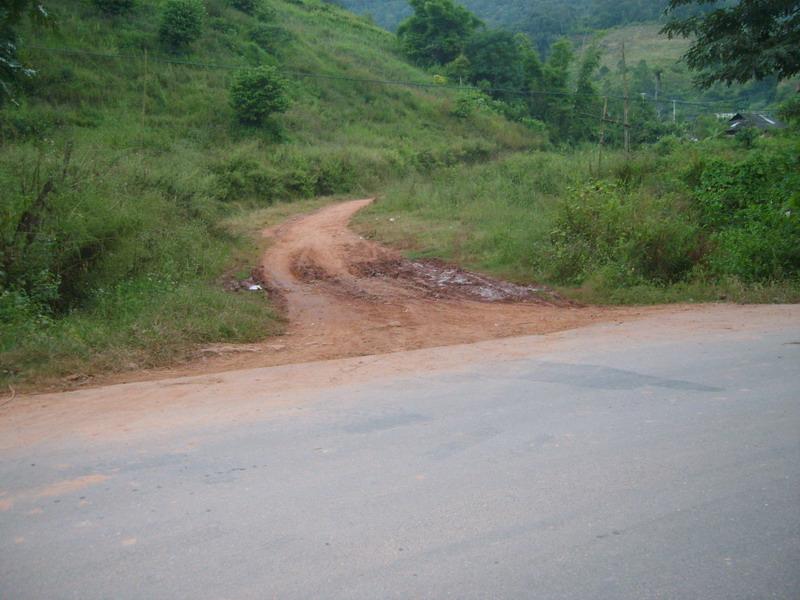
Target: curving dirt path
point(344, 296)
point(347, 296)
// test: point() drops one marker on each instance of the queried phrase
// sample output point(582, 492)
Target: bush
point(246, 6)
point(257, 94)
point(750, 209)
point(181, 23)
point(470, 101)
point(626, 238)
point(114, 7)
point(790, 111)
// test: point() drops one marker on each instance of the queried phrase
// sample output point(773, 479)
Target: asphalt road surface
point(630, 461)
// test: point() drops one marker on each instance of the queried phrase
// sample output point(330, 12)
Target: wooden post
point(658, 92)
point(602, 134)
point(144, 89)
point(626, 108)
point(674, 111)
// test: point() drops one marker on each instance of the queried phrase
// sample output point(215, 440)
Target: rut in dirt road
point(344, 295)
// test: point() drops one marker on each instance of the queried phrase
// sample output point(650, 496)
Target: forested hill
point(542, 20)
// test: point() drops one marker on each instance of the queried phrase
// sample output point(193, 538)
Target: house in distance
point(741, 121)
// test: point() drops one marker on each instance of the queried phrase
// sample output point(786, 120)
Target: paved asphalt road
point(650, 469)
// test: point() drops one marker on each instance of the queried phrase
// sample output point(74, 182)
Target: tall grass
point(634, 230)
point(117, 173)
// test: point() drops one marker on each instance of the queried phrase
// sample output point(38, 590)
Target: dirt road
point(347, 296)
point(344, 296)
point(405, 470)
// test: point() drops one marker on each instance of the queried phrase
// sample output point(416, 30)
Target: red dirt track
point(347, 296)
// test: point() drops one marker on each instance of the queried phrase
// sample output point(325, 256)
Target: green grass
point(487, 217)
point(629, 232)
point(642, 42)
point(152, 190)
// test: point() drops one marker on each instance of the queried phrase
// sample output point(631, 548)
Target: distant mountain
point(542, 20)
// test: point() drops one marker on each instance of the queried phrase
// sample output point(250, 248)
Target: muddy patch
point(438, 279)
point(307, 271)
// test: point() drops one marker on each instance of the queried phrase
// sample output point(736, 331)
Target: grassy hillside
point(121, 172)
point(647, 52)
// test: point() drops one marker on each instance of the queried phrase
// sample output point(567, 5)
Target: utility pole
point(625, 123)
point(602, 134)
point(658, 92)
point(674, 111)
point(144, 89)
point(658, 83)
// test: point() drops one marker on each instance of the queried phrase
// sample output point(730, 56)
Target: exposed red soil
point(347, 296)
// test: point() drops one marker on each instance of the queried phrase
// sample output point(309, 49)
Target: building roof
point(759, 120)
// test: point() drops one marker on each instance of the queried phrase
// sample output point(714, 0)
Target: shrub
point(257, 94)
point(181, 22)
point(470, 101)
point(790, 110)
point(114, 7)
point(750, 209)
point(246, 6)
point(601, 228)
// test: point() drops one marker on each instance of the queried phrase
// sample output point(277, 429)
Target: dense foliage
point(542, 20)
point(114, 7)
point(751, 39)
point(181, 23)
point(257, 94)
point(12, 14)
point(560, 92)
point(246, 6)
point(437, 31)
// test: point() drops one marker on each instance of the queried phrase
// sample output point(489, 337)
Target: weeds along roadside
point(709, 221)
point(123, 182)
point(117, 257)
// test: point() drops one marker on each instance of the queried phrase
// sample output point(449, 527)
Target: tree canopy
point(496, 58)
point(437, 31)
point(734, 43)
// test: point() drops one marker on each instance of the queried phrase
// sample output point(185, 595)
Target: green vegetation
point(114, 7)
point(119, 171)
point(542, 20)
point(148, 141)
point(655, 57)
point(748, 39)
point(257, 94)
point(711, 221)
point(181, 23)
point(13, 13)
point(437, 31)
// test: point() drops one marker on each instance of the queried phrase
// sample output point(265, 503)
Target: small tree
point(459, 69)
point(114, 7)
point(257, 94)
point(437, 31)
point(181, 22)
